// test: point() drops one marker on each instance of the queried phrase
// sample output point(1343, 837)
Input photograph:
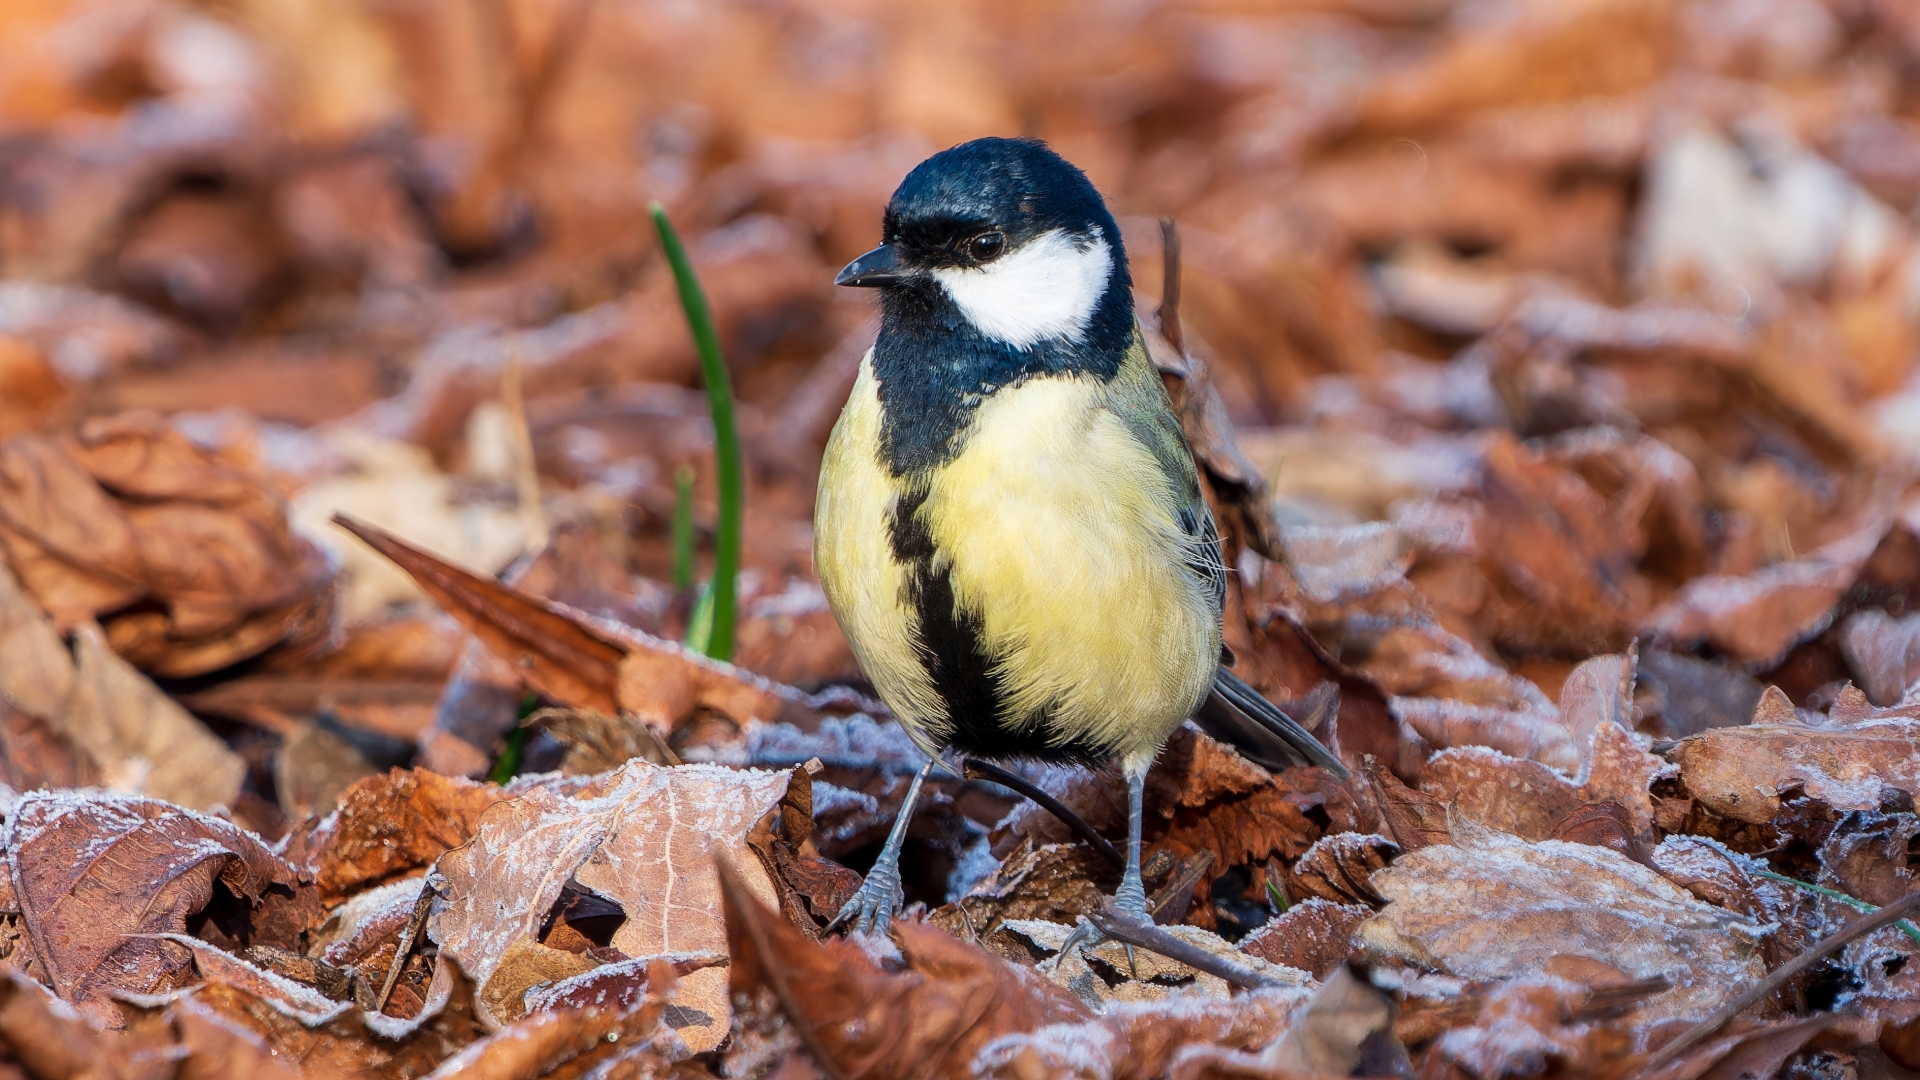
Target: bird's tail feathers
point(1236, 714)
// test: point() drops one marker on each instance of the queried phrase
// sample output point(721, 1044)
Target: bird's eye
point(986, 247)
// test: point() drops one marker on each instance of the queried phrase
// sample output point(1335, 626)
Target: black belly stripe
point(953, 642)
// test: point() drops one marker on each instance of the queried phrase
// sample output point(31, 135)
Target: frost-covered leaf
point(389, 825)
point(642, 836)
point(1498, 907)
point(1530, 800)
point(1744, 772)
point(91, 869)
point(872, 1022)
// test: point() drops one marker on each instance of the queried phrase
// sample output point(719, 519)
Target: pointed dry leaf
point(590, 663)
point(88, 870)
point(1497, 907)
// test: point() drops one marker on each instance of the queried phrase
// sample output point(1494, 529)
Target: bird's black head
point(1009, 235)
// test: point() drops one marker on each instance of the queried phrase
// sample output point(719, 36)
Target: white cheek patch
point(1046, 289)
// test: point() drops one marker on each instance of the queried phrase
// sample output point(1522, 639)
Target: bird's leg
point(1132, 897)
point(871, 909)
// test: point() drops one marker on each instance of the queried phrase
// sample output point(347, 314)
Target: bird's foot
point(1131, 900)
point(871, 909)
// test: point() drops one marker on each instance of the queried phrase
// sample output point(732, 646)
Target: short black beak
point(874, 270)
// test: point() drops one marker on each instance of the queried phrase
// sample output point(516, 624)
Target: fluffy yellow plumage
point(1059, 524)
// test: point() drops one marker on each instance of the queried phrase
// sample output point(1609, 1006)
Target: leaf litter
point(1551, 369)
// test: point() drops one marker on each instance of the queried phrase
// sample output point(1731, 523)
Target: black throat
point(934, 368)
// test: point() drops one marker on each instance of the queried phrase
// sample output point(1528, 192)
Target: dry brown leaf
point(337, 1049)
point(1313, 935)
point(33, 754)
point(1744, 772)
point(214, 1048)
point(1530, 800)
point(592, 663)
point(279, 993)
point(88, 870)
point(642, 836)
point(600, 1037)
point(387, 826)
point(1883, 653)
point(1757, 617)
point(949, 1003)
point(190, 563)
point(1340, 868)
point(49, 1039)
point(1498, 907)
point(133, 736)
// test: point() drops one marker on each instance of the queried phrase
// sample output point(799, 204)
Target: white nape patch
point(1047, 288)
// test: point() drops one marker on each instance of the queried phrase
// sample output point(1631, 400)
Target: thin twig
point(987, 770)
point(1168, 314)
point(526, 474)
point(408, 935)
point(1122, 927)
point(1782, 975)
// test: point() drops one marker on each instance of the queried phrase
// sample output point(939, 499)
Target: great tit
point(1009, 525)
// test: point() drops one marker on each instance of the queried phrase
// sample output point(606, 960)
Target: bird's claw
point(872, 907)
point(1131, 899)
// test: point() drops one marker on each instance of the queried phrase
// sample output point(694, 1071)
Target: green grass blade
point(1836, 895)
point(683, 529)
point(726, 436)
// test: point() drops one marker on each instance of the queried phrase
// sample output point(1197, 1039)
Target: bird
point(1009, 525)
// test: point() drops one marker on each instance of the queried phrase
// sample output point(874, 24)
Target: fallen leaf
point(1529, 800)
point(133, 736)
point(1743, 773)
point(1497, 907)
point(88, 870)
point(281, 994)
point(949, 1003)
point(601, 1037)
point(641, 836)
point(1313, 935)
point(1883, 653)
point(33, 754)
point(1340, 868)
point(1757, 617)
point(593, 664)
point(214, 1047)
point(189, 564)
point(387, 826)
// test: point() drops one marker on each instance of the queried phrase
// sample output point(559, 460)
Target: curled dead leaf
point(91, 870)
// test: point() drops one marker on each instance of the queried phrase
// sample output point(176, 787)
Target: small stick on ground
point(987, 770)
point(409, 934)
point(1125, 928)
point(1782, 975)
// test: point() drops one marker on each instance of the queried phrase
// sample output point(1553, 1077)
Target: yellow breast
point(1059, 529)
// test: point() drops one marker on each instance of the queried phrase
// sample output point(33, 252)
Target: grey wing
point(1204, 556)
